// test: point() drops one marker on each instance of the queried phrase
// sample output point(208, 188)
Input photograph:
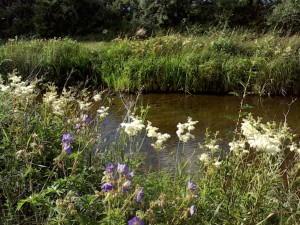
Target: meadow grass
point(216, 62)
point(54, 172)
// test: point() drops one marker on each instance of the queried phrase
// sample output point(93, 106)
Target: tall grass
point(213, 63)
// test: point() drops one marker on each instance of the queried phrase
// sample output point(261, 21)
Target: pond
point(212, 111)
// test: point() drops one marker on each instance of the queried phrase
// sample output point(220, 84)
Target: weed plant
point(216, 62)
point(52, 171)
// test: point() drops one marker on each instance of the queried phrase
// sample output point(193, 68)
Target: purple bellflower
point(191, 186)
point(86, 118)
point(139, 195)
point(109, 168)
point(136, 221)
point(66, 138)
point(126, 186)
point(107, 187)
point(122, 168)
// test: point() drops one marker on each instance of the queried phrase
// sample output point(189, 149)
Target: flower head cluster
point(262, 137)
point(102, 112)
point(184, 130)
point(160, 138)
point(204, 157)
point(20, 89)
point(133, 127)
point(238, 147)
point(66, 140)
point(119, 178)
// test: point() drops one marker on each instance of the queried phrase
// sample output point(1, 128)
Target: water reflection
point(213, 112)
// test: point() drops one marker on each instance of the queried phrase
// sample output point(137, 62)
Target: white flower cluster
point(58, 103)
point(261, 137)
point(160, 138)
point(20, 89)
point(133, 127)
point(238, 147)
point(102, 112)
point(184, 130)
point(204, 157)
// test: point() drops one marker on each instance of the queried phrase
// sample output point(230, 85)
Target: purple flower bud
point(109, 168)
point(136, 221)
point(86, 118)
point(131, 175)
point(122, 168)
point(126, 186)
point(191, 186)
point(192, 210)
point(107, 187)
point(66, 138)
point(139, 195)
point(77, 127)
point(67, 149)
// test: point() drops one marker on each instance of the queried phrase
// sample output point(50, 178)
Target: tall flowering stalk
point(184, 134)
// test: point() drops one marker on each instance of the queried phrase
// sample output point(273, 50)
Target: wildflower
point(183, 131)
point(136, 221)
point(192, 210)
point(15, 79)
point(86, 118)
point(151, 131)
point(126, 186)
point(133, 127)
point(161, 138)
point(107, 187)
point(97, 97)
point(191, 186)
point(204, 158)
point(217, 164)
point(85, 106)
point(139, 195)
point(131, 174)
point(109, 168)
point(103, 112)
point(4, 88)
point(67, 138)
point(77, 127)
point(67, 148)
point(122, 168)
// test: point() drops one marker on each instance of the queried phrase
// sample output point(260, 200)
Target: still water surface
point(213, 112)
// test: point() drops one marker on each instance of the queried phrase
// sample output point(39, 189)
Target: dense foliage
point(49, 18)
point(217, 63)
point(53, 169)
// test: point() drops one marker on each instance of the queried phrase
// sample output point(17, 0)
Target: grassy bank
point(52, 170)
point(218, 62)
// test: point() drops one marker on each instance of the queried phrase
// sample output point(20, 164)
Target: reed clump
point(216, 62)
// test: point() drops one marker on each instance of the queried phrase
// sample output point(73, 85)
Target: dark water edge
point(212, 112)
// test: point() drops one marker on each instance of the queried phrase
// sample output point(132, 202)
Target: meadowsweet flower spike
point(136, 221)
point(184, 130)
point(133, 127)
